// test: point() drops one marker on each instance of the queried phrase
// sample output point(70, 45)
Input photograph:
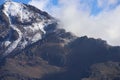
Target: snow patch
point(18, 10)
point(39, 26)
point(15, 43)
point(36, 37)
point(7, 43)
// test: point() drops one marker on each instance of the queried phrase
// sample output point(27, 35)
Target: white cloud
point(107, 3)
point(41, 4)
point(76, 18)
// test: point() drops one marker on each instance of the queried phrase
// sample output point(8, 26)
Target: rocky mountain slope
point(24, 25)
point(33, 47)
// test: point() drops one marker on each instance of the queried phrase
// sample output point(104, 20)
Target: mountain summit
point(21, 25)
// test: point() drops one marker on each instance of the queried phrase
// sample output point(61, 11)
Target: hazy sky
point(94, 18)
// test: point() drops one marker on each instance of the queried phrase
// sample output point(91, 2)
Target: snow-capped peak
point(26, 25)
point(13, 8)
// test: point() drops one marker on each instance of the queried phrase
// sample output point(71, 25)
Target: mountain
point(34, 47)
point(25, 25)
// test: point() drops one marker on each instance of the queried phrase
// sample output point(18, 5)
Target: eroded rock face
point(48, 59)
point(105, 71)
point(4, 26)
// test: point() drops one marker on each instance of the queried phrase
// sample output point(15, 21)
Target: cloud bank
point(94, 18)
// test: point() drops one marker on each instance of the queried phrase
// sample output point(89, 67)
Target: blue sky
point(23, 1)
point(95, 9)
point(26, 1)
